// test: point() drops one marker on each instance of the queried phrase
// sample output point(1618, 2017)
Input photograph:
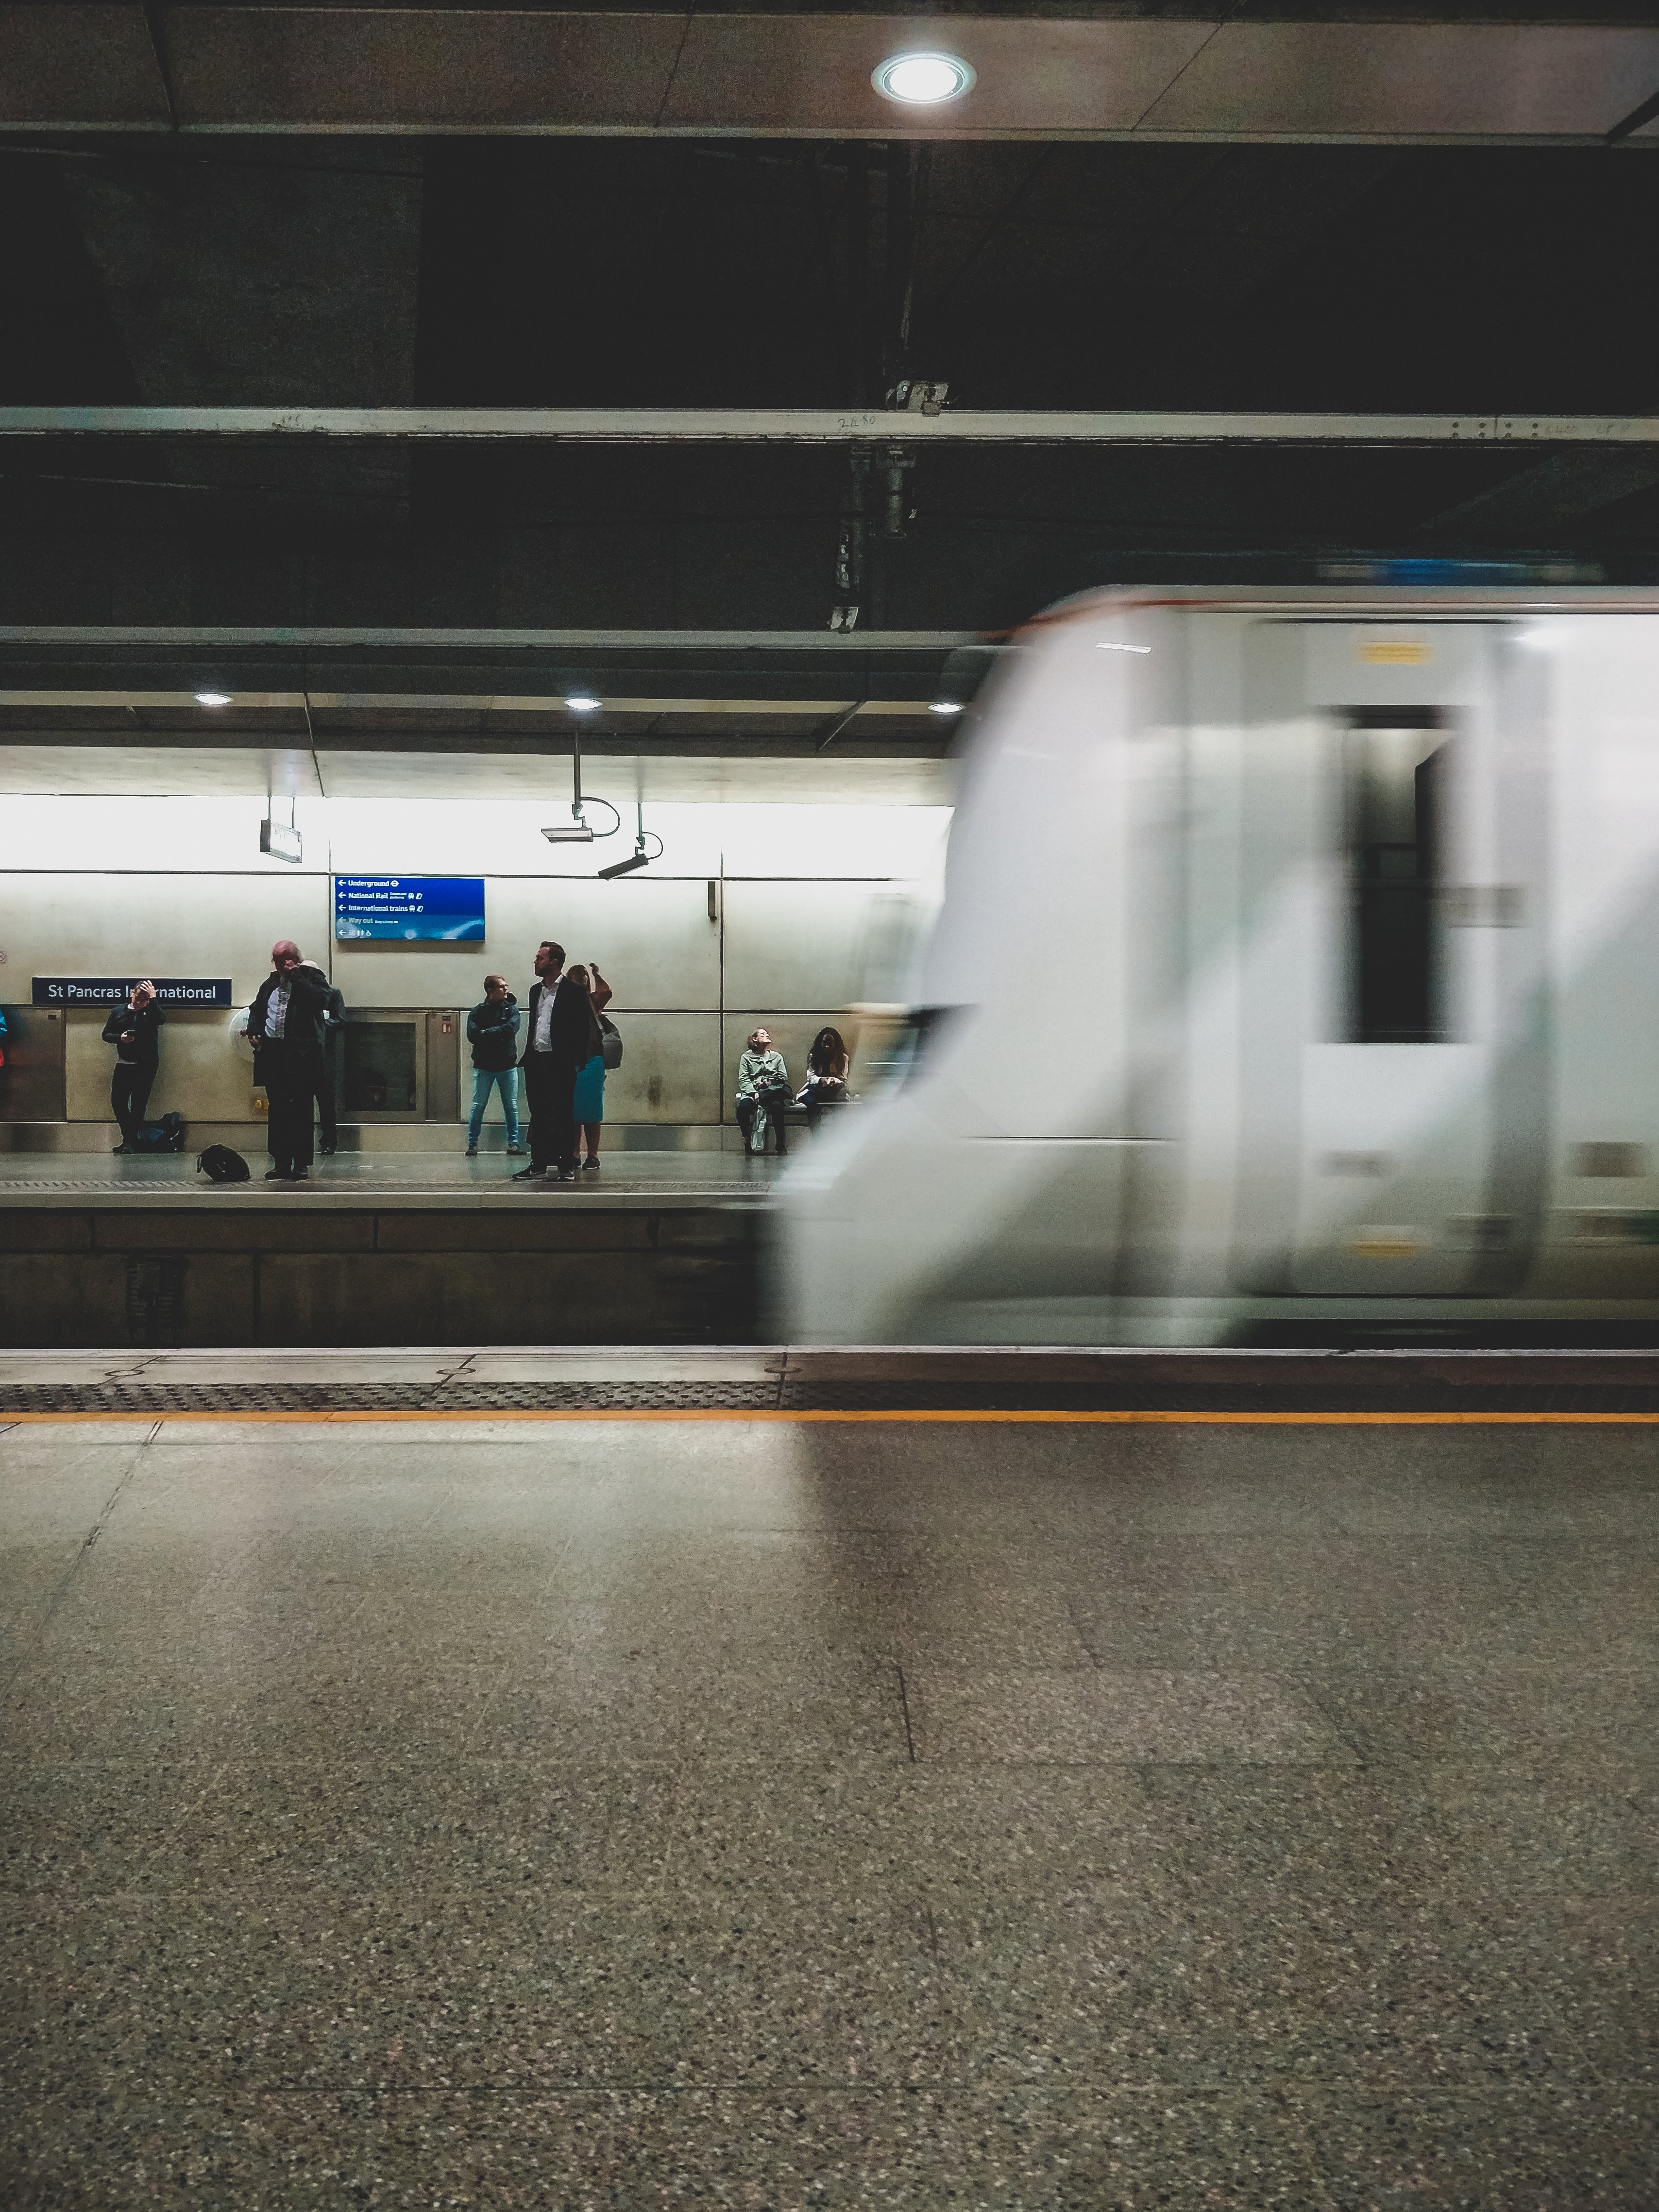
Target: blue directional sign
point(449, 909)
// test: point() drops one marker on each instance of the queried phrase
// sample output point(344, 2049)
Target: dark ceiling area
point(607, 271)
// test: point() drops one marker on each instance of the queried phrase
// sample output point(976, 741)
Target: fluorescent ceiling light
point(922, 80)
point(1110, 645)
point(213, 698)
point(580, 703)
point(945, 706)
point(570, 833)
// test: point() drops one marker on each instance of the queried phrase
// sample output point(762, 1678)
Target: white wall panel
point(420, 836)
point(799, 944)
point(670, 1071)
point(203, 1073)
point(650, 934)
point(172, 925)
point(906, 842)
point(135, 835)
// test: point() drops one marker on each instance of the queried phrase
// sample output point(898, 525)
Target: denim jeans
point(482, 1078)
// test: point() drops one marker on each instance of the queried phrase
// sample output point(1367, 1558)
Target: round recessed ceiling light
point(922, 80)
point(945, 706)
point(580, 703)
point(213, 698)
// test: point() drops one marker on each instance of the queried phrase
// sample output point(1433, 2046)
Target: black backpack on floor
point(220, 1165)
point(166, 1135)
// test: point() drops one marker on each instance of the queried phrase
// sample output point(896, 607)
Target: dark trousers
point(550, 1089)
point(290, 1078)
point(775, 1110)
point(325, 1108)
point(129, 1095)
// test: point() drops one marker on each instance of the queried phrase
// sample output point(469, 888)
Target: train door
point(1394, 1089)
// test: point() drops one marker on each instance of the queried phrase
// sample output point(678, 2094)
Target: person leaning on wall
point(134, 1031)
point(286, 1023)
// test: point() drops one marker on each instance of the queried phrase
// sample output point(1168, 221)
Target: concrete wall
point(814, 909)
point(231, 1273)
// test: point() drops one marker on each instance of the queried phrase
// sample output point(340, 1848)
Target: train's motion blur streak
point(1297, 971)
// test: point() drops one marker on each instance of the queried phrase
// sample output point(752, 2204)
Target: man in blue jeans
point(492, 1031)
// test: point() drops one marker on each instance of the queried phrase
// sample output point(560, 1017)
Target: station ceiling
point(1274, 207)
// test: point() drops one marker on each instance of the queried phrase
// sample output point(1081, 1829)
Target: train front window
point(1394, 783)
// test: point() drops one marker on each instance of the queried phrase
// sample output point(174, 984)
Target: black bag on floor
point(220, 1165)
point(166, 1135)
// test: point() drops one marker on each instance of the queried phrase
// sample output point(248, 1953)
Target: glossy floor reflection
point(631, 1813)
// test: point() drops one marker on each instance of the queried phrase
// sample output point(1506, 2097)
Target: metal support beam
point(809, 426)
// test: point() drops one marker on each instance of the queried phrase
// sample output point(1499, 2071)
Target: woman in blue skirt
point(587, 1107)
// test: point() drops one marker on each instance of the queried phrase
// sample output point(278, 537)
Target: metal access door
point(1393, 1055)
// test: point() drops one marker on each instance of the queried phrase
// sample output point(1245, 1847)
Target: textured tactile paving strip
point(789, 1395)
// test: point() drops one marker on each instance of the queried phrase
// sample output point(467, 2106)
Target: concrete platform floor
point(653, 1813)
point(349, 1178)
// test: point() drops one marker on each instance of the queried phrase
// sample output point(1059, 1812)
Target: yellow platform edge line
point(775, 1413)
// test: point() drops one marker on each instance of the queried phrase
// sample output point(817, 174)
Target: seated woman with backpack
point(762, 1092)
point(827, 1064)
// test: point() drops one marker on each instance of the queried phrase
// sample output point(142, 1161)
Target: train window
point(1395, 782)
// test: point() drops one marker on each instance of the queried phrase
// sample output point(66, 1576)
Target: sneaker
point(523, 1174)
point(590, 1167)
point(562, 1175)
point(515, 1148)
point(275, 1174)
point(327, 1150)
point(122, 1148)
point(472, 1152)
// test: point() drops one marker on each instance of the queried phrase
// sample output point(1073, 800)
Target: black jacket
point(574, 1032)
point(145, 1050)
point(489, 1028)
point(308, 1011)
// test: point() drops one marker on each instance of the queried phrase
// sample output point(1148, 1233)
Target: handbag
point(610, 1044)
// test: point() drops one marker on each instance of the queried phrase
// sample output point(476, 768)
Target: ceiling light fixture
point(944, 706)
point(578, 830)
point(213, 698)
point(922, 80)
point(1111, 645)
point(580, 703)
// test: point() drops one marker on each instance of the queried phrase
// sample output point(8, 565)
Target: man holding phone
point(134, 1031)
point(285, 1025)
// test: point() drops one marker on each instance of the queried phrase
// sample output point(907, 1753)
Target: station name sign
point(106, 990)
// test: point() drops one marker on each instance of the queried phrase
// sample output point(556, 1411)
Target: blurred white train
point(1298, 972)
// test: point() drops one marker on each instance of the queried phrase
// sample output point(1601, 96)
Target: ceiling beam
point(713, 426)
point(86, 64)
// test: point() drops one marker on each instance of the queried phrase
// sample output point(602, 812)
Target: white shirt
point(543, 1039)
point(277, 1010)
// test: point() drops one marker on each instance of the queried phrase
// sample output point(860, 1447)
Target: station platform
point(379, 1247)
point(889, 1779)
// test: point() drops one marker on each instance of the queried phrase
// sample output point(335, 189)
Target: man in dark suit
point(559, 1034)
point(285, 1024)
